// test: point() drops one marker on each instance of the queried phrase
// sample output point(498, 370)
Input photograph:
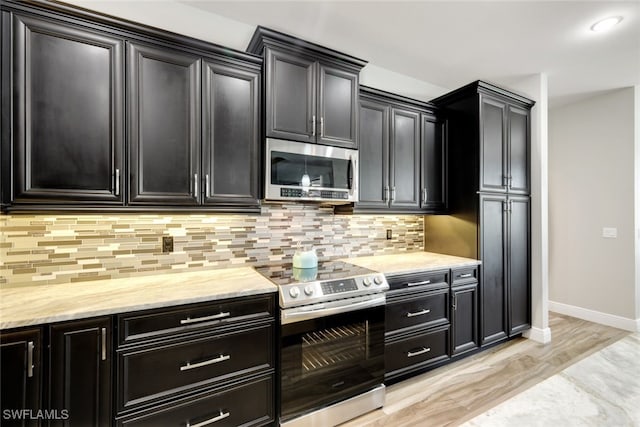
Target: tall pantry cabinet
point(489, 201)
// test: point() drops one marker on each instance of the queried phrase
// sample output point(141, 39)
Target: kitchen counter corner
point(411, 262)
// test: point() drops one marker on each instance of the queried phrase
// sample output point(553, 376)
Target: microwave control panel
point(314, 194)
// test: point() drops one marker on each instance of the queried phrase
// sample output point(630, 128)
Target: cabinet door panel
point(290, 96)
point(519, 150)
point(493, 323)
point(231, 129)
point(164, 102)
point(338, 108)
point(80, 371)
point(68, 112)
point(464, 334)
point(21, 387)
point(519, 265)
point(492, 146)
point(434, 177)
point(405, 158)
point(374, 154)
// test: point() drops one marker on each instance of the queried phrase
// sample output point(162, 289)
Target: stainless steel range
point(332, 342)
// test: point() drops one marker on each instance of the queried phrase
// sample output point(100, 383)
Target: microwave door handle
point(350, 174)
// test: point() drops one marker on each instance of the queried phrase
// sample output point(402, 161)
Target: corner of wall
point(636, 169)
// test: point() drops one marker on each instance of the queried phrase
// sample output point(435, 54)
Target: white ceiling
point(451, 43)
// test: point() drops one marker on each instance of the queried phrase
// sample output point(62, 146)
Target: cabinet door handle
point(505, 181)
point(313, 125)
point(393, 194)
point(189, 320)
point(207, 187)
point(510, 181)
point(454, 306)
point(418, 313)
point(218, 359)
point(321, 127)
point(222, 416)
point(117, 182)
point(30, 359)
point(386, 194)
point(464, 276)
point(103, 332)
point(424, 282)
point(424, 195)
point(419, 352)
point(195, 185)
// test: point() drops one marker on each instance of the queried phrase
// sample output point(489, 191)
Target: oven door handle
point(299, 316)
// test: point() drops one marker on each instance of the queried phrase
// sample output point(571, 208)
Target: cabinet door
point(338, 107)
point(493, 172)
point(374, 155)
point(164, 114)
point(493, 228)
point(290, 96)
point(519, 267)
point(68, 127)
point(433, 171)
point(231, 135)
point(80, 371)
point(405, 159)
point(21, 369)
point(464, 336)
point(519, 150)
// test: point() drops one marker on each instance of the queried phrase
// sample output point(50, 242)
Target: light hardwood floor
point(454, 394)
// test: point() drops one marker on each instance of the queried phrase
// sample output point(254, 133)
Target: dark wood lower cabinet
point(21, 376)
point(80, 372)
point(464, 318)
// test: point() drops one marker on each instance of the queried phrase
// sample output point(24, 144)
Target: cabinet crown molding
point(480, 86)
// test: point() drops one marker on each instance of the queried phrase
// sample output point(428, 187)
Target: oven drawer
point(417, 350)
point(425, 309)
point(464, 275)
point(418, 280)
point(154, 373)
point(153, 324)
point(248, 404)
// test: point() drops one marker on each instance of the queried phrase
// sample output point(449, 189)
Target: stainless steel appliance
point(332, 342)
point(310, 172)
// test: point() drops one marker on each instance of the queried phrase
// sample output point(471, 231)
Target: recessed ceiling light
point(606, 24)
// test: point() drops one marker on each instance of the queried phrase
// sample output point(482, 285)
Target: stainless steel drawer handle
point(419, 352)
point(218, 359)
point(222, 416)
point(207, 186)
point(30, 359)
point(189, 320)
point(464, 276)
point(418, 313)
point(425, 282)
point(195, 185)
point(103, 332)
point(117, 182)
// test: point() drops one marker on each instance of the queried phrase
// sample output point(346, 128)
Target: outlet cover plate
point(609, 232)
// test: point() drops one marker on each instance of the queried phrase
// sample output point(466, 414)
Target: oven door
point(329, 359)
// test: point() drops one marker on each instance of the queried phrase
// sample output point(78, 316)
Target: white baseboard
point(543, 336)
point(596, 316)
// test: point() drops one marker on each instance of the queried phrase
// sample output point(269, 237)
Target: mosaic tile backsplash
point(53, 249)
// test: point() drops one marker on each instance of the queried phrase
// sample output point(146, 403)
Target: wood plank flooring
point(454, 394)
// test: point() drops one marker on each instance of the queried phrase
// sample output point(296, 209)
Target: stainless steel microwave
point(310, 172)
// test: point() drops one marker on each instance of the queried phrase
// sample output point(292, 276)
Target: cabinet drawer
point(418, 350)
point(249, 404)
point(153, 324)
point(415, 280)
point(156, 372)
point(464, 275)
point(427, 309)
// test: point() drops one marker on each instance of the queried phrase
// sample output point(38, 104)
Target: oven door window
point(323, 172)
point(330, 359)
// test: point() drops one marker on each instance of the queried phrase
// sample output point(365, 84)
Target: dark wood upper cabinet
point(493, 149)
point(231, 134)
point(311, 92)
point(433, 183)
point(374, 154)
point(68, 126)
point(164, 125)
point(519, 153)
point(405, 158)
point(80, 372)
point(21, 373)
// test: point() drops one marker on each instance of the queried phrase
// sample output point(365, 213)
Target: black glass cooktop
point(285, 274)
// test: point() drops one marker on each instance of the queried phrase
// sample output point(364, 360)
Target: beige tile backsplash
point(52, 249)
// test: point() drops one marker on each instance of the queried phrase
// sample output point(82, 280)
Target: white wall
point(637, 202)
point(591, 186)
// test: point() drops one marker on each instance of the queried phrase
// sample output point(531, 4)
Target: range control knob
point(308, 290)
point(377, 280)
point(294, 292)
point(367, 281)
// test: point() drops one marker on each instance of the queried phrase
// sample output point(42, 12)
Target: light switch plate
point(609, 232)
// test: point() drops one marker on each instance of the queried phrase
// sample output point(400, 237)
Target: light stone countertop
point(411, 262)
point(34, 305)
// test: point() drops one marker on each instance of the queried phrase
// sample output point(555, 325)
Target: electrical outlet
point(389, 235)
point(609, 232)
point(167, 244)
